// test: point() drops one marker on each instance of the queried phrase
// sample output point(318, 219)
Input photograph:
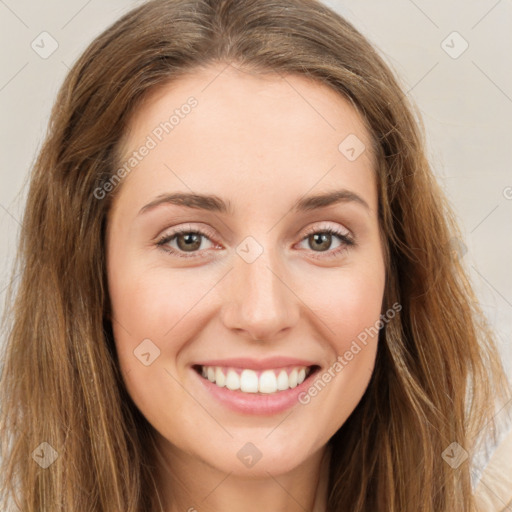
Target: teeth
point(268, 382)
point(220, 379)
point(292, 379)
point(232, 380)
point(282, 381)
point(249, 381)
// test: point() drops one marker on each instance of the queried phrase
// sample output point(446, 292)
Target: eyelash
point(346, 240)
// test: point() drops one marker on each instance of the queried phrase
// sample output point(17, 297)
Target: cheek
point(151, 303)
point(155, 312)
point(348, 302)
point(335, 392)
point(151, 321)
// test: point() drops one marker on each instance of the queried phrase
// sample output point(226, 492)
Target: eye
point(321, 239)
point(187, 240)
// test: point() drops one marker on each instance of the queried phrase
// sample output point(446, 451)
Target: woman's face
point(254, 171)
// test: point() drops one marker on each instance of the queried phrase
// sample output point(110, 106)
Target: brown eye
point(185, 243)
point(320, 241)
point(189, 241)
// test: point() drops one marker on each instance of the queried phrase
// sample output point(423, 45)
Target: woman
point(238, 287)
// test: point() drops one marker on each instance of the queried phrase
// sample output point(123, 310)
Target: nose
point(259, 301)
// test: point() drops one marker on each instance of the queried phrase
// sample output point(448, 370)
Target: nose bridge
point(259, 301)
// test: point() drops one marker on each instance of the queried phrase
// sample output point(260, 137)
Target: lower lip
point(256, 403)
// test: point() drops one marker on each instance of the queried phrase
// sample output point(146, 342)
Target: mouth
point(256, 382)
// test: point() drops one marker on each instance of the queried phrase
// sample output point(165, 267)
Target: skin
point(261, 142)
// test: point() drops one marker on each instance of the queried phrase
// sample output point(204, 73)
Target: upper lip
point(257, 364)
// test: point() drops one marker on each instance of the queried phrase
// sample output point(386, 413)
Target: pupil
point(192, 241)
point(324, 239)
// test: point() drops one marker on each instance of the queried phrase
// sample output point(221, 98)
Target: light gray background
point(466, 103)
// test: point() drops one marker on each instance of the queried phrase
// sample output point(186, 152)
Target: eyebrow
point(216, 204)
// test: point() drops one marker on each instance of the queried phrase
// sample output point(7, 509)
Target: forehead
point(220, 128)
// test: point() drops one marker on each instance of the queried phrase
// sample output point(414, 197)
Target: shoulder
point(493, 492)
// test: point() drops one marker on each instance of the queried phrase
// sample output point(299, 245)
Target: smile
point(252, 381)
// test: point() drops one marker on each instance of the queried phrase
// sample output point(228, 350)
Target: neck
point(189, 484)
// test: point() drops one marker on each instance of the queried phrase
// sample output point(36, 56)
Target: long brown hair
point(437, 368)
